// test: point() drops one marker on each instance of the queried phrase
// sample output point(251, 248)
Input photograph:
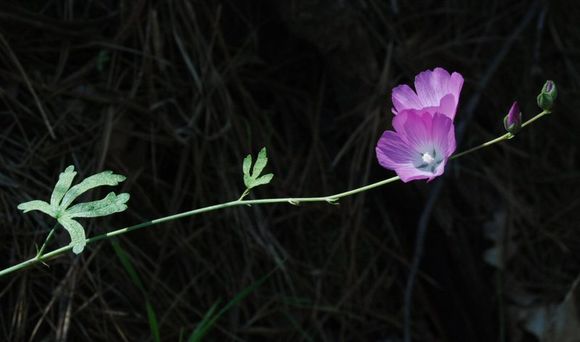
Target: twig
point(330, 199)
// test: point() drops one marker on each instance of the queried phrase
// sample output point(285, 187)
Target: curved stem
point(331, 199)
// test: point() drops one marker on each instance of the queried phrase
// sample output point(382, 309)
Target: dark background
point(173, 94)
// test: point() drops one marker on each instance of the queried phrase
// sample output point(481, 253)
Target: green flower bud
point(513, 120)
point(548, 95)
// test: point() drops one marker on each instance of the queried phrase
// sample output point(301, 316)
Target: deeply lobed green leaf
point(254, 179)
point(63, 195)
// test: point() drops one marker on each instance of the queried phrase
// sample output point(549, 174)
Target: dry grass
point(174, 93)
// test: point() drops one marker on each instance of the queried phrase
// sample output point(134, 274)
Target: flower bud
point(513, 120)
point(548, 95)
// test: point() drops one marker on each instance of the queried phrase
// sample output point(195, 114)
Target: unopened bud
point(513, 120)
point(548, 95)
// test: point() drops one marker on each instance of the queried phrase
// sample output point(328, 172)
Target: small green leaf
point(260, 164)
point(253, 180)
point(247, 164)
point(265, 179)
point(62, 186)
point(76, 232)
point(37, 205)
point(100, 179)
point(111, 204)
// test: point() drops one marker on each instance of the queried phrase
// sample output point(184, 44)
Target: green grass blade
point(153, 322)
point(127, 265)
point(210, 318)
point(204, 325)
point(136, 280)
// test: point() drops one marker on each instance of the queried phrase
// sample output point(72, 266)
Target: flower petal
point(404, 97)
point(433, 86)
point(395, 154)
point(414, 127)
point(417, 132)
point(408, 172)
point(392, 151)
point(438, 170)
point(443, 135)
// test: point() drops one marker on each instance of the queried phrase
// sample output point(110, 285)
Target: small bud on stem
point(513, 120)
point(548, 95)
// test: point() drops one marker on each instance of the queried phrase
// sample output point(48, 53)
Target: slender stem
point(506, 136)
point(244, 194)
point(530, 121)
point(39, 254)
point(331, 199)
point(486, 144)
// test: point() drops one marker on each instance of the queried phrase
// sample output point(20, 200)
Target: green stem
point(506, 136)
point(530, 121)
point(486, 144)
point(244, 194)
point(290, 200)
point(39, 254)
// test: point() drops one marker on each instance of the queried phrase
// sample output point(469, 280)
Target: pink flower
point(420, 145)
point(437, 91)
point(424, 135)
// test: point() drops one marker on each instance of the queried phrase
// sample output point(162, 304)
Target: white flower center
point(427, 158)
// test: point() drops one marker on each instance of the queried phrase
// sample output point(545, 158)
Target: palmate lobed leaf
point(63, 195)
point(254, 179)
